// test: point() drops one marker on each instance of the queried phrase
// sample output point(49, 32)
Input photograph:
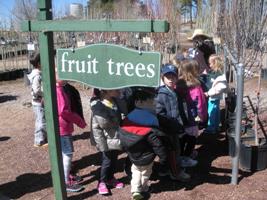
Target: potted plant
point(253, 150)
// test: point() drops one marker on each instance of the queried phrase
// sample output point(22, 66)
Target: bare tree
point(24, 10)
point(245, 31)
point(246, 26)
point(240, 24)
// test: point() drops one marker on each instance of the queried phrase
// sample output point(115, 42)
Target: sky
point(7, 5)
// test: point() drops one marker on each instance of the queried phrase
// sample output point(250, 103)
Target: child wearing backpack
point(189, 88)
point(67, 117)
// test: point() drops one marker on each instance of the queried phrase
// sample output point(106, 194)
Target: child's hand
point(82, 124)
point(197, 119)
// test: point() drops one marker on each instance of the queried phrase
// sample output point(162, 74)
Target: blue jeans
point(66, 144)
point(40, 135)
point(67, 150)
point(214, 115)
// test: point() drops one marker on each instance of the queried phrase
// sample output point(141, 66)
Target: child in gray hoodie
point(40, 135)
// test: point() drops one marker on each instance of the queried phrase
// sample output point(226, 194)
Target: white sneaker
point(188, 162)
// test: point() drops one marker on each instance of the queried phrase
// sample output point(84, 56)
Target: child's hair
point(143, 93)
point(184, 50)
point(174, 61)
point(35, 59)
point(218, 63)
point(103, 93)
point(190, 71)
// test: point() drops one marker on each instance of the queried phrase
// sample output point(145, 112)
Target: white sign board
point(146, 40)
point(30, 47)
point(80, 43)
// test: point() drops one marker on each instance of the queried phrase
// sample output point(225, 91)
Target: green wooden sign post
point(46, 26)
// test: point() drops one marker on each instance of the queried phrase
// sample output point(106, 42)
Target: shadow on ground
point(5, 98)
point(26, 183)
point(4, 138)
point(212, 146)
point(93, 176)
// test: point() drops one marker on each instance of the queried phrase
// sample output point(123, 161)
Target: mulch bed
point(25, 170)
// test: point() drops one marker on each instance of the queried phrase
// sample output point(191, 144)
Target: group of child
point(162, 122)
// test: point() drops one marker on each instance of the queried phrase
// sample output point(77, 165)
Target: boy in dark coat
point(170, 112)
point(139, 136)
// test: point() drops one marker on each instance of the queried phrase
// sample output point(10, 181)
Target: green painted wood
point(109, 66)
point(97, 25)
point(48, 77)
point(44, 4)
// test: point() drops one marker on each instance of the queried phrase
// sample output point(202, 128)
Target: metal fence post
point(239, 109)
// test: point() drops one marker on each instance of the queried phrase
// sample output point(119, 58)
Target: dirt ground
point(25, 170)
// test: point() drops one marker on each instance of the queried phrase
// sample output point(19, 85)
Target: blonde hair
point(190, 72)
point(217, 63)
point(175, 62)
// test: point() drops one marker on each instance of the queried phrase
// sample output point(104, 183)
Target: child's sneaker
point(183, 176)
point(73, 187)
point(163, 173)
point(102, 188)
point(41, 144)
point(137, 196)
point(194, 154)
point(188, 162)
point(75, 178)
point(115, 183)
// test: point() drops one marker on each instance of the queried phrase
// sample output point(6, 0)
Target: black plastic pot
point(245, 133)
point(231, 130)
point(253, 158)
point(264, 74)
point(232, 116)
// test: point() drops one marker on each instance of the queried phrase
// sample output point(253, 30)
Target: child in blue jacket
point(140, 138)
point(168, 109)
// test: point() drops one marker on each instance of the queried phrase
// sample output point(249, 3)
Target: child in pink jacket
point(67, 118)
point(189, 88)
